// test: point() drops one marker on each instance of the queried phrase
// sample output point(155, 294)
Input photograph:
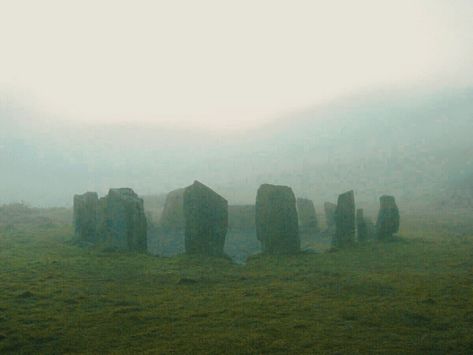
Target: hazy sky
point(224, 64)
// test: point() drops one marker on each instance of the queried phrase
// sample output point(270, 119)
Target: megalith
point(306, 215)
point(122, 219)
point(361, 226)
point(277, 226)
point(206, 220)
point(85, 216)
point(388, 218)
point(345, 220)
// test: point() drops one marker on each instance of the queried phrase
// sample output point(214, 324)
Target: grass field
point(414, 295)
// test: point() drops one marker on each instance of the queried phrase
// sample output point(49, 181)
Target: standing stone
point(330, 209)
point(122, 219)
point(345, 220)
point(172, 217)
point(388, 218)
point(307, 216)
point(85, 217)
point(361, 226)
point(277, 225)
point(206, 220)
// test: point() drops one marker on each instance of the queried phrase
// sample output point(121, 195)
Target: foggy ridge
point(409, 144)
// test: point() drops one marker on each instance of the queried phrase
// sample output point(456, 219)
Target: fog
point(236, 177)
point(374, 96)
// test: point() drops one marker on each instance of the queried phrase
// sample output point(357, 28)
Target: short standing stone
point(206, 220)
point(307, 216)
point(345, 220)
point(172, 217)
point(361, 226)
point(388, 220)
point(277, 225)
point(123, 221)
point(85, 216)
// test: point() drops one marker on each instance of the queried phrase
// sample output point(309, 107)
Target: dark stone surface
point(206, 220)
point(122, 220)
point(307, 216)
point(85, 217)
point(388, 220)
point(277, 226)
point(361, 226)
point(345, 220)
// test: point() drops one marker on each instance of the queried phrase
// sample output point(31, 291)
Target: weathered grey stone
point(206, 220)
point(307, 216)
point(388, 218)
point(330, 209)
point(172, 217)
point(85, 217)
point(241, 217)
point(361, 226)
point(122, 220)
point(277, 225)
point(345, 220)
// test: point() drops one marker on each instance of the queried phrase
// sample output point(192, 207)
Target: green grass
point(409, 296)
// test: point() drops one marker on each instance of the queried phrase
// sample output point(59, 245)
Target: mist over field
point(236, 177)
point(415, 144)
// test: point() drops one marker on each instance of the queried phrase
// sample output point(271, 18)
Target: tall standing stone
point(206, 220)
point(85, 216)
point(388, 218)
point(345, 220)
point(307, 216)
point(123, 222)
point(277, 225)
point(361, 226)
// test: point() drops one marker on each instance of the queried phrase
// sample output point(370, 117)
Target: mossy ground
point(414, 295)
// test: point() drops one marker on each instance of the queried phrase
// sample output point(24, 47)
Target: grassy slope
point(411, 296)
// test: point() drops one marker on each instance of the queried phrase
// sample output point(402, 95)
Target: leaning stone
point(276, 220)
point(388, 218)
point(361, 226)
point(85, 217)
point(206, 220)
point(123, 222)
point(345, 220)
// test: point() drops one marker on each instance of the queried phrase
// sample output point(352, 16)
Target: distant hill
point(411, 144)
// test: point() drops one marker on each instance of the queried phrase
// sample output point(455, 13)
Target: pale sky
point(224, 64)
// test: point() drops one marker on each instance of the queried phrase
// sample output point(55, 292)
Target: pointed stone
point(206, 220)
